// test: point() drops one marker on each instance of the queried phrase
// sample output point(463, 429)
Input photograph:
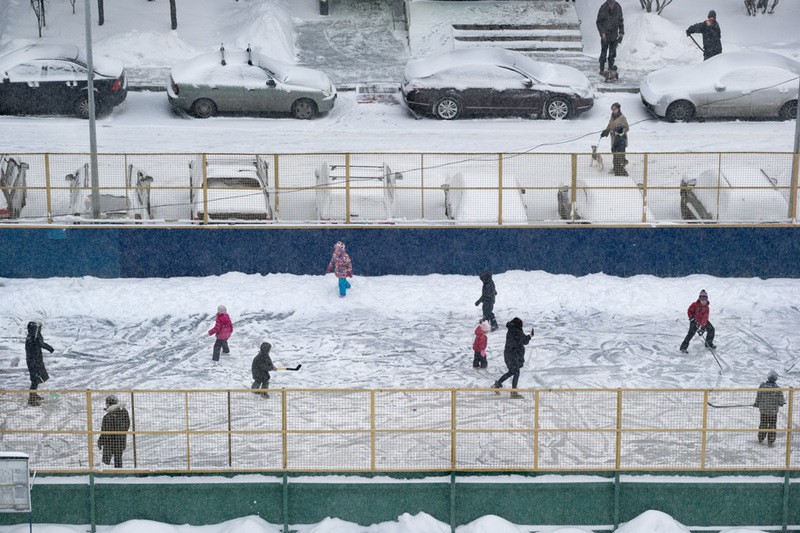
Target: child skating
point(223, 328)
point(479, 344)
point(342, 266)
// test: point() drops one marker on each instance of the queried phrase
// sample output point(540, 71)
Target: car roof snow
point(37, 51)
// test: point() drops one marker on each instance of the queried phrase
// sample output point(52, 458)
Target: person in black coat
point(768, 403)
point(35, 360)
point(712, 35)
point(611, 26)
point(514, 354)
point(115, 419)
point(262, 364)
point(618, 142)
point(488, 294)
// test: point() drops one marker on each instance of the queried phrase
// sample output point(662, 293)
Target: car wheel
point(680, 111)
point(304, 109)
point(82, 106)
point(447, 108)
point(788, 111)
point(203, 108)
point(557, 108)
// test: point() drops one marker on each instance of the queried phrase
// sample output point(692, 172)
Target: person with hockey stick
point(712, 35)
point(768, 403)
point(514, 354)
point(115, 420)
point(698, 322)
point(488, 294)
point(479, 344)
point(262, 364)
point(223, 329)
point(34, 343)
point(342, 266)
point(611, 26)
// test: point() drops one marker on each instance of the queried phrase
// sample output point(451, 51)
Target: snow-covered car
point(734, 193)
point(494, 81)
point(733, 85)
point(51, 78)
point(231, 188)
point(248, 83)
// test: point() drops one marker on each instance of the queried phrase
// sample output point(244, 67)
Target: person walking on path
point(616, 119)
point(698, 322)
point(34, 343)
point(618, 143)
point(479, 345)
point(488, 294)
point(712, 35)
point(223, 328)
point(262, 364)
point(116, 419)
point(342, 266)
point(514, 354)
point(611, 26)
point(768, 403)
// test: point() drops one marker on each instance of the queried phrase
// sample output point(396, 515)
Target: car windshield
point(233, 183)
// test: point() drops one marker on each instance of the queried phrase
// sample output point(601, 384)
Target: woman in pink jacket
point(222, 329)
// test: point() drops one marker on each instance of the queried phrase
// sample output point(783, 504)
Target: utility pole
point(795, 158)
point(92, 125)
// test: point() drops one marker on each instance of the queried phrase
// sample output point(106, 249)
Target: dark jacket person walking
point(611, 26)
point(768, 403)
point(34, 343)
point(262, 364)
point(514, 354)
point(115, 419)
point(488, 294)
point(712, 35)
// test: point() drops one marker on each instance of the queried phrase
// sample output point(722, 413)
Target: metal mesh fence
point(400, 188)
point(402, 430)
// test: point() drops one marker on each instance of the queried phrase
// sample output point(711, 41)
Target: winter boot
point(516, 395)
point(602, 67)
point(497, 385)
point(34, 399)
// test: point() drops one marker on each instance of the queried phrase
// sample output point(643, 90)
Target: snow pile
point(266, 27)
point(146, 48)
point(653, 522)
point(656, 42)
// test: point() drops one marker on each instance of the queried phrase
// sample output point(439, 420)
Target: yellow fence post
point(89, 430)
point(47, 188)
point(347, 188)
point(618, 454)
point(704, 431)
point(186, 418)
point(275, 161)
point(205, 190)
point(372, 431)
point(536, 429)
point(574, 188)
point(793, 203)
point(422, 182)
point(452, 429)
point(500, 189)
point(644, 190)
point(789, 430)
point(284, 444)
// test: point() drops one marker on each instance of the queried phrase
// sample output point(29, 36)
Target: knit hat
point(616, 104)
point(221, 310)
point(265, 347)
point(111, 399)
point(485, 326)
point(712, 14)
point(772, 376)
point(703, 294)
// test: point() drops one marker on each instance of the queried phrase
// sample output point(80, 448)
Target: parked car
point(235, 188)
point(51, 78)
point(249, 83)
point(734, 84)
point(494, 81)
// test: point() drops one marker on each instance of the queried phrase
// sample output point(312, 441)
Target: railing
point(406, 430)
point(407, 188)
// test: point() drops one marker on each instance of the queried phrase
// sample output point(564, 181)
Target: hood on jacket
point(515, 323)
point(338, 248)
point(484, 327)
point(34, 328)
point(265, 348)
point(485, 276)
point(772, 376)
point(222, 310)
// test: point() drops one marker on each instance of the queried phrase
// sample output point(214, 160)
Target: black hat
point(265, 347)
point(616, 104)
point(712, 14)
point(111, 399)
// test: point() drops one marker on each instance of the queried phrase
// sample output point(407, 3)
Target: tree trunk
point(101, 16)
point(173, 14)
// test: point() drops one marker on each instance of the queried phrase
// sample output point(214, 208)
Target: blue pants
point(343, 286)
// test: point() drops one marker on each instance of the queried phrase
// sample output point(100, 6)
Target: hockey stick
point(710, 349)
point(785, 370)
point(288, 368)
point(728, 406)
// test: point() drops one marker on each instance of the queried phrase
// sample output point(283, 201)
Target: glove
point(604, 134)
point(688, 33)
point(619, 40)
point(483, 354)
point(531, 332)
point(477, 303)
point(701, 331)
point(52, 350)
point(692, 322)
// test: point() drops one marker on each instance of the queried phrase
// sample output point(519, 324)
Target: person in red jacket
point(698, 322)
point(479, 345)
point(223, 328)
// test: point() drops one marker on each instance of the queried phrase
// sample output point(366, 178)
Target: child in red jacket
point(698, 322)
point(479, 345)
point(223, 328)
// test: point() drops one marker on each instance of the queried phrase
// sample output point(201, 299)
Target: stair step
point(528, 27)
point(523, 46)
point(509, 38)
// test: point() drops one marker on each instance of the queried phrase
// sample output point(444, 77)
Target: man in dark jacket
point(115, 419)
point(611, 26)
point(487, 298)
point(514, 354)
point(35, 360)
point(262, 364)
point(712, 35)
point(768, 403)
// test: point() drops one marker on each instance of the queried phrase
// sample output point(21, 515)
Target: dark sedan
point(494, 81)
point(51, 78)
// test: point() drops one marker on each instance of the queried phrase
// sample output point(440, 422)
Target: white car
point(734, 84)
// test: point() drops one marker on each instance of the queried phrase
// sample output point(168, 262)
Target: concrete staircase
point(539, 38)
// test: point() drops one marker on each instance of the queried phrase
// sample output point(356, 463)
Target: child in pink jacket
point(223, 328)
point(479, 345)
